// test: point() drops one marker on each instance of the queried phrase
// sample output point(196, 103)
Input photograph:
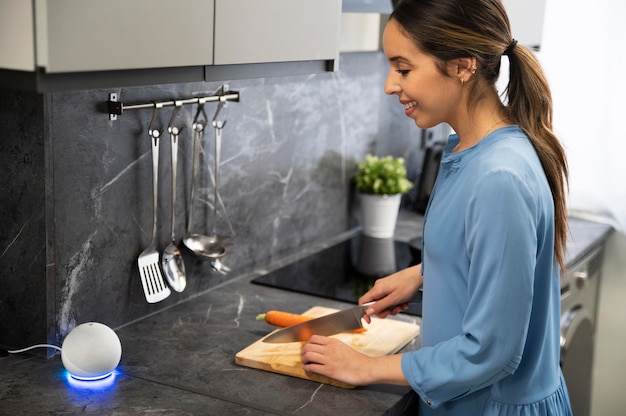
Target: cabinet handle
point(581, 279)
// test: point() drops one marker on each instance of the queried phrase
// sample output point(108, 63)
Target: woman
point(494, 230)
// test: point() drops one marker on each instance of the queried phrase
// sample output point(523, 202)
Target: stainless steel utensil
point(154, 287)
point(172, 260)
point(334, 323)
point(220, 267)
point(203, 246)
point(218, 248)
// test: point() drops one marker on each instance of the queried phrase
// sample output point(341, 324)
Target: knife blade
point(334, 323)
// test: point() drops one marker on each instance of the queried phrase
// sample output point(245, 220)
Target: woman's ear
point(462, 68)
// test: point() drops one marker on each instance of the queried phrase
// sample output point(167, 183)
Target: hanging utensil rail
point(116, 108)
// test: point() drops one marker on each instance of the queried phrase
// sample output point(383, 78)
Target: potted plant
point(381, 182)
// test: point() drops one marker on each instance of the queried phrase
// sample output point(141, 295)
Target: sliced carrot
point(284, 319)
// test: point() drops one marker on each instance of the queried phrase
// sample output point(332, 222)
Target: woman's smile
point(410, 107)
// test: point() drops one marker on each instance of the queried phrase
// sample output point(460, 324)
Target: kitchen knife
point(334, 323)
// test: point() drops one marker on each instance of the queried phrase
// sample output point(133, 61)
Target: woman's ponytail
point(530, 105)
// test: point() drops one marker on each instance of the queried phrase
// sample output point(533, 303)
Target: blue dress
point(491, 305)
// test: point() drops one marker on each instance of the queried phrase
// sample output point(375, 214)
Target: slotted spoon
point(154, 287)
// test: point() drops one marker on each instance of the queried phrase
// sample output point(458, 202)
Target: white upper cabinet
point(367, 6)
point(174, 39)
point(526, 17)
point(17, 43)
point(96, 35)
point(256, 31)
point(361, 32)
point(362, 22)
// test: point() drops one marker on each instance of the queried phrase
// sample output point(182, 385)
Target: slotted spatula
point(154, 286)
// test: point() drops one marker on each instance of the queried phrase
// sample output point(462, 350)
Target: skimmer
point(154, 287)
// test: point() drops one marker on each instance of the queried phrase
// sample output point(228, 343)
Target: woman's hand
point(332, 358)
point(392, 293)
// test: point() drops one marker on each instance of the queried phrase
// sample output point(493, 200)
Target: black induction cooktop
point(348, 269)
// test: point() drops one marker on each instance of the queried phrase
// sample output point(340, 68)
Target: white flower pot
point(379, 214)
point(377, 256)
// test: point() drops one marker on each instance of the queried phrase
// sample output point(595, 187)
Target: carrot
point(284, 319)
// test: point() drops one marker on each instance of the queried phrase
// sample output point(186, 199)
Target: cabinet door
point(256, 31)
point(17, 47)
point(96, 35)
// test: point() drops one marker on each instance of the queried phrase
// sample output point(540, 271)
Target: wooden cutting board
point(383, 337)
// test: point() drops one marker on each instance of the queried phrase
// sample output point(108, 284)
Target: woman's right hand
point(392, 293)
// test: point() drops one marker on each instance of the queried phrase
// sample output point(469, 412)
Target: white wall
point(584, 55)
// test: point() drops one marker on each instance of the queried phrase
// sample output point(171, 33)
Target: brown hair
point(451, 29)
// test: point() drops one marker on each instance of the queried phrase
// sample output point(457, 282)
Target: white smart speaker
point(91, 351)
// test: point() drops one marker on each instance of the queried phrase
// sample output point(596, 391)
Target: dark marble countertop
point(584, 236)
point(182, 361)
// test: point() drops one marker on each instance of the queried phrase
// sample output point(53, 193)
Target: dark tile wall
point(23, 238)
point(77, 188)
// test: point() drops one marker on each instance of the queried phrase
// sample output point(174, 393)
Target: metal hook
point(219, 124)
point(151, 131)
point(170, 128)
point(197, 124)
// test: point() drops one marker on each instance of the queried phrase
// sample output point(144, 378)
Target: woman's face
point(429, 97)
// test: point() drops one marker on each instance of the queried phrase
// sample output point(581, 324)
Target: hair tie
point(510, 48)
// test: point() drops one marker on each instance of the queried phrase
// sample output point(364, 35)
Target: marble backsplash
point(77, 189)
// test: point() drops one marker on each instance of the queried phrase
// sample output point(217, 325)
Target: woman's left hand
point(333, 358)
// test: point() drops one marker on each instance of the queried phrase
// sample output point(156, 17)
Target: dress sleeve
point(501, 244)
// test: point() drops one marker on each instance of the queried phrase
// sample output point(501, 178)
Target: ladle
point(172, 260)
point(203, 246)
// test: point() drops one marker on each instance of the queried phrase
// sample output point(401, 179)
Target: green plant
point(382, 176)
